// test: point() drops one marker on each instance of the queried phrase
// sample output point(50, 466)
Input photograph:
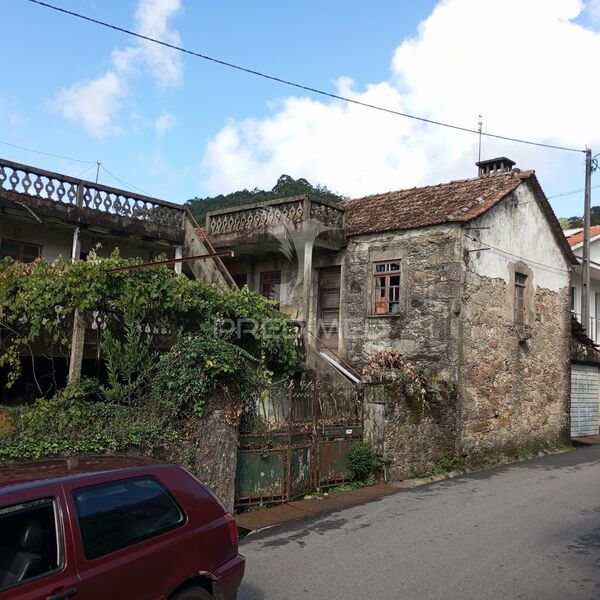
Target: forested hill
point(285, 186)
point(574, 222)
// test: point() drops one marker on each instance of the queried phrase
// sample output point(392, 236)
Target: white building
point(575, 239)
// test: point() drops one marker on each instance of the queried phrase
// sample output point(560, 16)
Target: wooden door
point(328, 313)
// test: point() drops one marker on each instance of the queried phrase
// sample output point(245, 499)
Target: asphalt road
point(528, 531)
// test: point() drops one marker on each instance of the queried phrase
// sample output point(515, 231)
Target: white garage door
point(584, 400)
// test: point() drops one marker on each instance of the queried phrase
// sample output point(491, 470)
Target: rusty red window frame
point(386, 287)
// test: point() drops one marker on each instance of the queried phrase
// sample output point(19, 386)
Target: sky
point(177, 127)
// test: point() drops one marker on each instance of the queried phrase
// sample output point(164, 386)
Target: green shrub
point(362, 461)
point(67, 424)
point(189, 374)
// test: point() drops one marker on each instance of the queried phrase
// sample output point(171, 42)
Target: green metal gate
point(308, 431)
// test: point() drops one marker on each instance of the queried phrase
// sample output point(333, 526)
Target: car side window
point(118, 514)
point(30, 546)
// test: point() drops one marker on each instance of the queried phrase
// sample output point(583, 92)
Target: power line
point(298, 85)
point(505, 254)
point(123, 182)
point(79, 160)
point(571, 193)
point(84, 171)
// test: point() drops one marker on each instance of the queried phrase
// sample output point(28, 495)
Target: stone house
point(470, 280)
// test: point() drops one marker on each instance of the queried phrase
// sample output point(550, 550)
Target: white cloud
point(96, 103)
point(519, 62)
point(164, 122)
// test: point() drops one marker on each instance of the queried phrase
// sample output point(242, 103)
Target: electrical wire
point(84, 171)
point(505, 254)
point(79, 160)
point(298, 85)
point(123, 182)
point(571, 193)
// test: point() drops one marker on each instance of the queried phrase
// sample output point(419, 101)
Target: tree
point(285, 186)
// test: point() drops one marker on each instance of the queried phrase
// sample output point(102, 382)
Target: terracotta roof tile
point(430, 205)
point(457, 201)
point(577, 238)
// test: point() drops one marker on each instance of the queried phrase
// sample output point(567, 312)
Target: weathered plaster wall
point(514, 379)
point(57, 240)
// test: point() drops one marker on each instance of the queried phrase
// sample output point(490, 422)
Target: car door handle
point(66, 594)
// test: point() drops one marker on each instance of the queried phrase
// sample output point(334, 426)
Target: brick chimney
point(495, 165)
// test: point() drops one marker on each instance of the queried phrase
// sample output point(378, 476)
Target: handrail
point(83, 194)
point(348, 366)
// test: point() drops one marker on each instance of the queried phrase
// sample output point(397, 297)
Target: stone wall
point(426, 328)
point(514, 384)
point(411, 439)
point(209, 451)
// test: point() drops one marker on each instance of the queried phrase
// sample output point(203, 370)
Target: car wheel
point(192, 593)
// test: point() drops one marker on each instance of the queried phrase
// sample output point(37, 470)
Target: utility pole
point(585, 272)
point(98, 163)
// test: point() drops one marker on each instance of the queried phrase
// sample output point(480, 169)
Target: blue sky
point(180, 127)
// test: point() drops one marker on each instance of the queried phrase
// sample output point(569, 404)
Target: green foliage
point(188, 375)
point(129, 362)
point(67, 424)
point(286, 186)
point(576, 221)
point(362, 461)
point(147, 397)
point(444, 465)
point(38, 301)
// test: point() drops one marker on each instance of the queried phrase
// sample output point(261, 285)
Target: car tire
point(192, 593)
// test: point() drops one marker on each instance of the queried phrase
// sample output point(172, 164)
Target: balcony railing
point(593, 330)
point(287, 211)
point(70, 192)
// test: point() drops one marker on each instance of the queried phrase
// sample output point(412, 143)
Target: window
point(270, 285)
point(29, 543)
point(241, 279)
point(387, 287)
point(572, 299)
point(19, 250)
point(520, 284)
point(115, 515)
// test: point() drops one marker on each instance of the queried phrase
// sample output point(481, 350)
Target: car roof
point(58, 470)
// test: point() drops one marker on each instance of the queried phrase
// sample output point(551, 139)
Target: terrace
point(265, 225)
point(84, 203)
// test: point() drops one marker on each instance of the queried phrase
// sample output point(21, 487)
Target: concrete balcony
point(268, 226)
point(55, 196)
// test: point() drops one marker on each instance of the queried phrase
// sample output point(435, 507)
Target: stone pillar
point(374, 417)
point(178, 255)
point(307, 277)
point(77, 342)
point(211, 455)
point(78, 335)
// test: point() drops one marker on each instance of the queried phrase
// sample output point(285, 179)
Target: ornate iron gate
point(300, 442)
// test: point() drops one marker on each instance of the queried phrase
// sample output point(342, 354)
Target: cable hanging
point(299, 85)
point(79, 160)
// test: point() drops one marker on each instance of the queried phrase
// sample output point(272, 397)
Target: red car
point(112, 528)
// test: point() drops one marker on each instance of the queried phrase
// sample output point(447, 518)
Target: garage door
point(584, 400)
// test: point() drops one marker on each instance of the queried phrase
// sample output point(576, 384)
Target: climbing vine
point(169, 346)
